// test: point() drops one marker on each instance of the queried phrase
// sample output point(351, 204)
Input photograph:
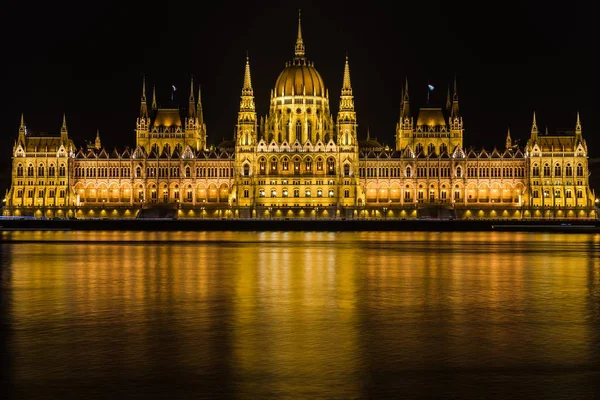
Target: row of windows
point(273, 167)
point(285, 164)
point(51, 193)
point(557, 170)
point(161, 172)
point(431, 148)
point(495, 172)
point(296, 192)
point(558, 193)
point(41, 170)
point(102, 172)
point(443, 171)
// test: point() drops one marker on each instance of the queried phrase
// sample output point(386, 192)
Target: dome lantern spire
point(299, 50)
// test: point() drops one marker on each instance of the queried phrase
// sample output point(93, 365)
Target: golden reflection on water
point(301, 313)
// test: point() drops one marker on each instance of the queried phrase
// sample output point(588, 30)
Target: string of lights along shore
point(300, 161)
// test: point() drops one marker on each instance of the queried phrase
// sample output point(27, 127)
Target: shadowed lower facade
point(300, 161)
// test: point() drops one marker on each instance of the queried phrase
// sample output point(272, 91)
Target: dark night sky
point(509, 59)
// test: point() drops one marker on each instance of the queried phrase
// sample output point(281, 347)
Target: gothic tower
point(404, 128)
point(245, 144)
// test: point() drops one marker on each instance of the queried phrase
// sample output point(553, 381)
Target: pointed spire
point(346, 86)
point(405, 108)
point(192, 100)
point(508, 139)
point(455, 97)
point(63, 130)
point(247, 88)
point(299, 50)
point(448, 101)
point(192, 106)
point(455, 112)
point(98, 143)
point(368, 133)
point(144, 104)
point(578, 124)
point(401, 100)
point(534, 129)
point(22, 125)
point(144, 89)
point(154, 105)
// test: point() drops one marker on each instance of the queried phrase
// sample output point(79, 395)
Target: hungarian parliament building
point(300, 161)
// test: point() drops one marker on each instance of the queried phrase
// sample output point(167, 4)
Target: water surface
point(253, 315)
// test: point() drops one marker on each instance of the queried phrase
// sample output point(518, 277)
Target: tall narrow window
point(299, 130)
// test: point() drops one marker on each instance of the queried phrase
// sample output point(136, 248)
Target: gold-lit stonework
point(300, 161)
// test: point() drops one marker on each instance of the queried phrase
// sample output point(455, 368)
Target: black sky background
point(88, 60)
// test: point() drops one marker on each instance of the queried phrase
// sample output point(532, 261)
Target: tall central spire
point(299, 42)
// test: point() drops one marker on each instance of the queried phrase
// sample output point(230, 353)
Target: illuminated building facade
point(299, 161)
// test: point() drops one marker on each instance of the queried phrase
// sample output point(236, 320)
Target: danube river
point(308, 315)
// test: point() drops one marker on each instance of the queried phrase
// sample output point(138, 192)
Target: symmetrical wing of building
point(299, 161)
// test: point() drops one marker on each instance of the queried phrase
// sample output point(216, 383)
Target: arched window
point(285, 164)
point(246, 169)
point(430, 148)
point(20, 170)
point(458, 172)
point(308, 164)
point(319, 164)
point(346, 169)
point(331, 166)
point(568, 170)
point(273, 164)
point(309, 128)
point(557, 170)
point(419, 148)
point(262, 166)
point(188, 172)
point(41, 170)
point(536, 170)
point(299, 130)
point(62, 170)
point(138, 172)
point(443, 148)
point(546, 170)
point(51, 170)
point(296, 165)
point(579, 170)
point(408, 172)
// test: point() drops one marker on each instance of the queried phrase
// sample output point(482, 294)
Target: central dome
point(298, 78)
